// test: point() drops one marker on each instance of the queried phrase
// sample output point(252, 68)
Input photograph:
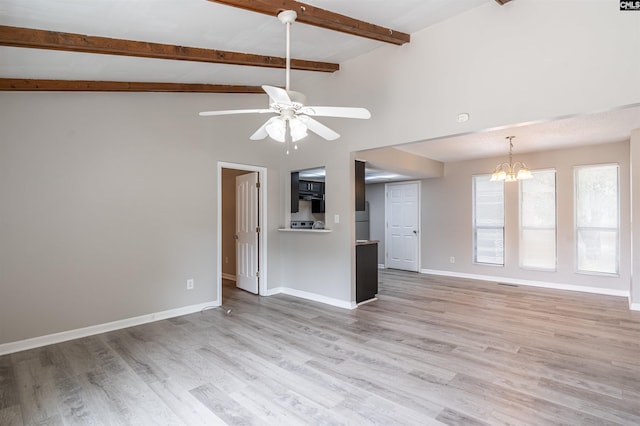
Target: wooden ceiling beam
point(54, 40)
point(321, 18)
point(35, 85)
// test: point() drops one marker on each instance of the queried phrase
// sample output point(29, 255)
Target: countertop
point(365, 242)
point(317, 231)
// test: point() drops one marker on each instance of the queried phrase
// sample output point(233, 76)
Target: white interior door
point(403, 230)
point(247, 232)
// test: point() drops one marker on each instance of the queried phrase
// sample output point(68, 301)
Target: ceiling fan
point(292, 113)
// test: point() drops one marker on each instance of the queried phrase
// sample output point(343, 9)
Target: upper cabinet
point(308, 185)
point(360, 188)
point(295, 181)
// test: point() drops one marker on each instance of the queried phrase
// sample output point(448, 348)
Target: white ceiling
point(605, 127)
point(200, 23)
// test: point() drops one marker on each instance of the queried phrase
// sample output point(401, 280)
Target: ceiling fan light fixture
point(297, 128)
point(293, 119)
point(277, 129)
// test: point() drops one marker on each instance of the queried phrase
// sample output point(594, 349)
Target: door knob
point(415, 232)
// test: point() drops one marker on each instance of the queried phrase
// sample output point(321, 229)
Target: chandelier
point(511, 172)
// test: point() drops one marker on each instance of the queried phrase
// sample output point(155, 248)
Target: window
point(596, 218)
point(538, 221)
point(488, 221)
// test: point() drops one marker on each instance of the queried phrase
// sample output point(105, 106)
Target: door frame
point(386, 220)
point(262, 218)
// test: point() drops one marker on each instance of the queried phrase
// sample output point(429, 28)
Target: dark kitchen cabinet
point(306, 190)
point(317, 206)
point(310, 187)
point(366, 271)
point(295, 197)
point(360, 188)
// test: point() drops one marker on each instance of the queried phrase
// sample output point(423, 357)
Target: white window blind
point(597, 218)
point(488, 221)
point(538, 221)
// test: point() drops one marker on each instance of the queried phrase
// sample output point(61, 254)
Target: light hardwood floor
point(431, 350)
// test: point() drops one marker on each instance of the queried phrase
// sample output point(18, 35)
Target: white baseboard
point(229, 277)
point(634, 306)
point(312, 296)
point(272, 291)
point(517, 281)
point(50, 339)
point(367, 301)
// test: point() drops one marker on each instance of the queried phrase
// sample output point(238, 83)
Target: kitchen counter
point(365, 242)
point(317, 231)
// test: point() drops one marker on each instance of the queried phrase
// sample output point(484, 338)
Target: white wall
point(447, 218)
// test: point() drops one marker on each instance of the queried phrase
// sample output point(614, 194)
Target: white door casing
point(402, 213)
point(247, 232)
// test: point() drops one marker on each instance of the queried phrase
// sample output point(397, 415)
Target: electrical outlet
point(190, 284)
point(336, 218)
point(452, 259)
point(226, 260)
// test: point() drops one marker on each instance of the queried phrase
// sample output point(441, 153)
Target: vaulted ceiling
point(194, 45)
point(236, 46)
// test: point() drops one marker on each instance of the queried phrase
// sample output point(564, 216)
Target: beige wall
point(529, 60)
point(634, 149)
point(447, 217)
point(525, 61)
point(375, 195)
point(446, 222)
point(229, 220)
point(108, 201)
point(108, 205)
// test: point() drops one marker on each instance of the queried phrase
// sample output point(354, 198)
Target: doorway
point(253, 253)
point(402, 236)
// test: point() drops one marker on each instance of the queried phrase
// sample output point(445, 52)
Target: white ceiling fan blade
point(319, 128)
point(341, 112)
point(235, 111)
point(261, 133)
point(279, 96)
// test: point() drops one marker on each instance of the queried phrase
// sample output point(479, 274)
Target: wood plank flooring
point(431, 350)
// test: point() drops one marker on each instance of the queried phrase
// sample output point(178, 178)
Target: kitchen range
point(307, 224)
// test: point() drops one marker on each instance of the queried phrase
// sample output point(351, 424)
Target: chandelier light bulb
point(511, 172)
